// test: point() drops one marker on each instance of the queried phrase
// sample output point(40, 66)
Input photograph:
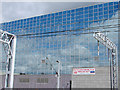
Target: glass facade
point(66, 36)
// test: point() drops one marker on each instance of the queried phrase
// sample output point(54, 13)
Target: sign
point(83, 71)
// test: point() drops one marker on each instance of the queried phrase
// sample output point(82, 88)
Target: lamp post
point(56, 71)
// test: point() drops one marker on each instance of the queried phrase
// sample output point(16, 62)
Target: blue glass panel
point(86, 11)
point(68, 18)
point(105, 12)
point(77, 14)
point(72, 15)
point(111, 7)
point(96, 18)
point(72, 26)
point(115, 10)
point(100, 9)
point(40, 17)
point(95, 10)
point(72, 18)
point(56, 17)
point(86, 24)
point(86, 15)
point(77, 10)
point(91, 11)
point(52, 15)
point(81, 16)
point(56, 14)
point(111, 3)
point(115, 3)
point(68, 27)
point(60, 13)
point(95, 6)
point(101, 17)
point(68, 15)
point(35, 17)
point(72, 21)
point(72, 11)
point(95, 14)
point(81, 9)
point(77, 20)
point(86, 8)
point(116, 7)
point(100, 6)
point(64, 16)
point(81, 20)
point(68, 12)
point(110, 15)
point(49, 15)
point(80, 13)
point(48, 19)
point(105, 16)
point(86, 19)
point(105, 4)
point(68, 22)
point(91, 15)
point(91, 7)
point(111, 12)
point(64, 19)
point(100, 13)
point(60, 17)
point(64, 12)
point(64, 27)
point(106, 8)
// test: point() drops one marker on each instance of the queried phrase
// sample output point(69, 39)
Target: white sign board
point(83, 71)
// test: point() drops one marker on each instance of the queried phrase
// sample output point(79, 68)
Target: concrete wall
point(33, 83)
point(101, 79)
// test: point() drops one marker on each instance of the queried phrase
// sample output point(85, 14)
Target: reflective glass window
point(105, 4)
point(105, 12)
point(95, 18)
point(110, 7)
point(86, 8)
point(111, 12)
point(100, 5)
point(115, 3)
point(111, 3)
point(100, 9)
point(95, 10)
point(80, 13)
point(116, 7)
point(81, 9)
point(86, 11)
point(95, 6)
point(60, 13)
point(106, 9)
point(95, 14)
point(91, 7)
point(100, 17)
point(72, 11)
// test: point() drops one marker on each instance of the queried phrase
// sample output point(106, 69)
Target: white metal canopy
point(9, 43)
point(100, 37)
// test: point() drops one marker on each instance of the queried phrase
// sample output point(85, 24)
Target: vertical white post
point(13, 62)
point(58, 76)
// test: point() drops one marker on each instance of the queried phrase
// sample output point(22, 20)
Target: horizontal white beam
point(104, 40)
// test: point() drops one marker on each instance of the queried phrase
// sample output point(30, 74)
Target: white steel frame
point(112, 50)
point(9, 42)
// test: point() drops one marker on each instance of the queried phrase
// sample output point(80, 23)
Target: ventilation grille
point(42, 80)
point(24, 79)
